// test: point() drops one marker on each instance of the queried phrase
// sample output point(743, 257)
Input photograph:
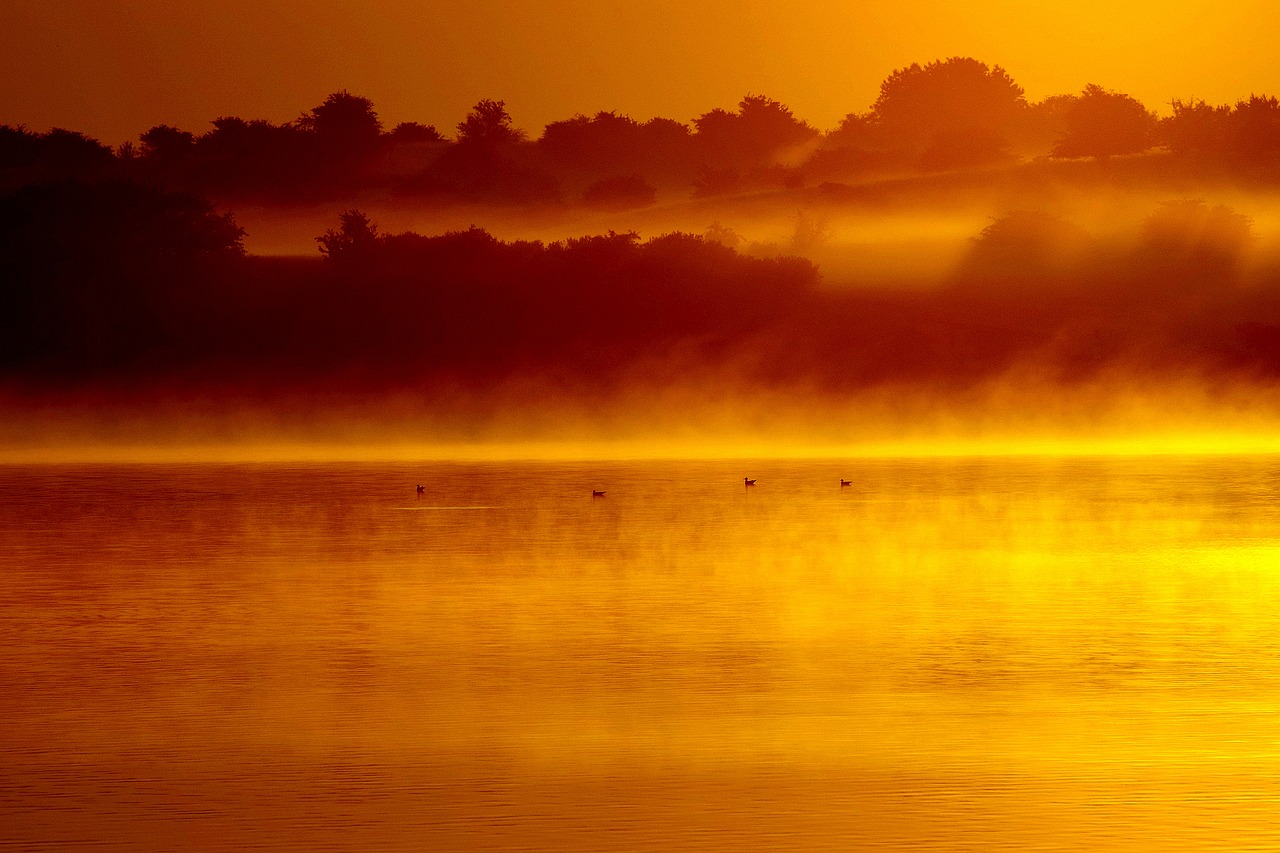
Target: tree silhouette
point(19, 148)
point(947, 114)
point(344, 123)
point(1254, 130)
point(75, 152)
point(167, 155)
point(1102, 123)
point(167, 143)
point(752, 137)
point(584, 150)
point(56, 155)
point(663, 147)
point(855, 130)
point(1195, 127)
point(855, 147)
point(353, 241)
point(951, 99)
point(1244, 138)
point(343, 135)
point(489, 161)
point(602, 138)
point(256, 157)
point(489, 125)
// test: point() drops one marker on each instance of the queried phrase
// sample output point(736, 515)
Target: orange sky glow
point(115, 69)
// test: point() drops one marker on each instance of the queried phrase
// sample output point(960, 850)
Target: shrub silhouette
point(413, 133)
point(1193, 236)
point(1026, 244)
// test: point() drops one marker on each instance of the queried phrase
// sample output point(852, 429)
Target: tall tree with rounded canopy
point(956, 96)
point(1102, 124)
point(344, 120)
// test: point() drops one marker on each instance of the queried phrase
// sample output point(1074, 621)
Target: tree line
point(118, 281)
point(124, 285)
point(956, 113)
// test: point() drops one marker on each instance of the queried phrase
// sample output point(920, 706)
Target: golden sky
point(113, 68)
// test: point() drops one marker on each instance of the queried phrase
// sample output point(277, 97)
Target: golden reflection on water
point(965, 654)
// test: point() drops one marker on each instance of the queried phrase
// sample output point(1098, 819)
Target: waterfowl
point(844, 483)
point(421, 489)
point(750, 481)
point(597, 493)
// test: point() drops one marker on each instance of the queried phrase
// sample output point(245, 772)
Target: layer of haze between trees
point(950, 244)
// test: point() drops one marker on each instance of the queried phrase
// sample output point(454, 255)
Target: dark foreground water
point(948, 655)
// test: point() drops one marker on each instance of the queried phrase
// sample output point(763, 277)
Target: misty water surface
point(994, 654)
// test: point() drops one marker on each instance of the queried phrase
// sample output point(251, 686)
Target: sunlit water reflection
point(948, 655)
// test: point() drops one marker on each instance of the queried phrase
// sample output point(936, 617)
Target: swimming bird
point(420, 489)
point(750, 481)
point(597, 493)
point(844, 483)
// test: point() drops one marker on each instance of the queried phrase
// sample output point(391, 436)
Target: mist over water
point(947, 654)
point(227, 622)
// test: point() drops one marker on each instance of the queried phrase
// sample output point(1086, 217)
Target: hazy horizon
point(113, 71)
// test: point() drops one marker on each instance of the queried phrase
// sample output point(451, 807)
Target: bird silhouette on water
point(750, 481)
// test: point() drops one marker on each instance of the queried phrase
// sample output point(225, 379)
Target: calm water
point(948, 655)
